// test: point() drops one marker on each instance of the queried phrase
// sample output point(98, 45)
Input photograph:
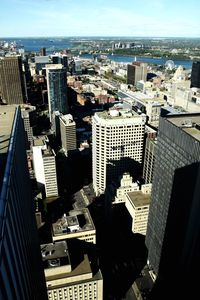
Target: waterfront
point(187, 64)
point(53, 44)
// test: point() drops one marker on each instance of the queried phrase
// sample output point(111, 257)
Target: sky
point(149, 18)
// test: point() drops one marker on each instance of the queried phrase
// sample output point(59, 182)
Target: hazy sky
point(26, 18)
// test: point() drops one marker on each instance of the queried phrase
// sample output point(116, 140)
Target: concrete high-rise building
point(65, 281)
point(117, 145)
point(135, 72)
point(149, 155)
point(57, 88)
point(68, 133)
point(21, 272)
point(173, 239)
point(149, 159)
point(11, 80)
point(195, 75)
point(45, 166)
point(28, 114)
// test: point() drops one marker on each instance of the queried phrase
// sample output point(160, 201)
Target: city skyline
point(158, 18)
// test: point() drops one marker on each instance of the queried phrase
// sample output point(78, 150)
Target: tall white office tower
point(68, 133)
point(117, 145)
point(45, 167)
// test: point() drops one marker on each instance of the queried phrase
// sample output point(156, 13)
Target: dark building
point(21, 274)
point(195, 75)
point(12, 80)
point(43, 51)
point(173, 233)
point(57, 88)
point(136, 71)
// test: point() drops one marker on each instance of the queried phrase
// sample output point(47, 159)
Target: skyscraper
point(45, 166)
point(195, 75)
point(117, 145)
point(173, 233)
point(11, 80)
point(136, 71)
point(57, 89)
point(68, 133)
point(21, 273)
point(149, 156)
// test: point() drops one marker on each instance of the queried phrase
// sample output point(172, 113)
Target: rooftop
point(55, 254)
point(7, 115)
point(139, 199)
point(190, 123)
point(117, 114)
point(78, 221)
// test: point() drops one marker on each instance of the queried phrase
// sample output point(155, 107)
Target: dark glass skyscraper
point(21, 274)
point(173, 233)
point(11, 80)
point(57, 89)
point(195, 75)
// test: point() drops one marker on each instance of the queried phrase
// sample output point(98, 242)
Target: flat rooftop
point(78, 221)
point(139, 199)
point(190, 123)
point(7, 115)
point(40, 141)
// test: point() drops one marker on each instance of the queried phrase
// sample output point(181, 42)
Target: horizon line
point(101, 36)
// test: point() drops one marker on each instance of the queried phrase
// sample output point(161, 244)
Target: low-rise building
point(137, 204)
point(78, 224)
point(63, 281)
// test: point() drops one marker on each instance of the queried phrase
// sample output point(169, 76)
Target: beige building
point(78, 224)
point(126, 185)
point(137, 204)
point(68, 133)
point(64, 282)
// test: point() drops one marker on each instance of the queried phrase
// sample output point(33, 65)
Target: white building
point(64, 282)
point(126, 185)
point(68, 133)
point(45, 166)
point(117, 142)
point(137, 203)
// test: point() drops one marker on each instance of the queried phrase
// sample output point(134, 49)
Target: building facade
point(195, 75)
point(11, 80)
point(21, 273)
point(45, 167)
point(126, 185)
point(57, 88)
point(117, 145)
point(68, 133)
point(135, 72)
point(173, 246)
point(137, 204)
point(65, 282)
